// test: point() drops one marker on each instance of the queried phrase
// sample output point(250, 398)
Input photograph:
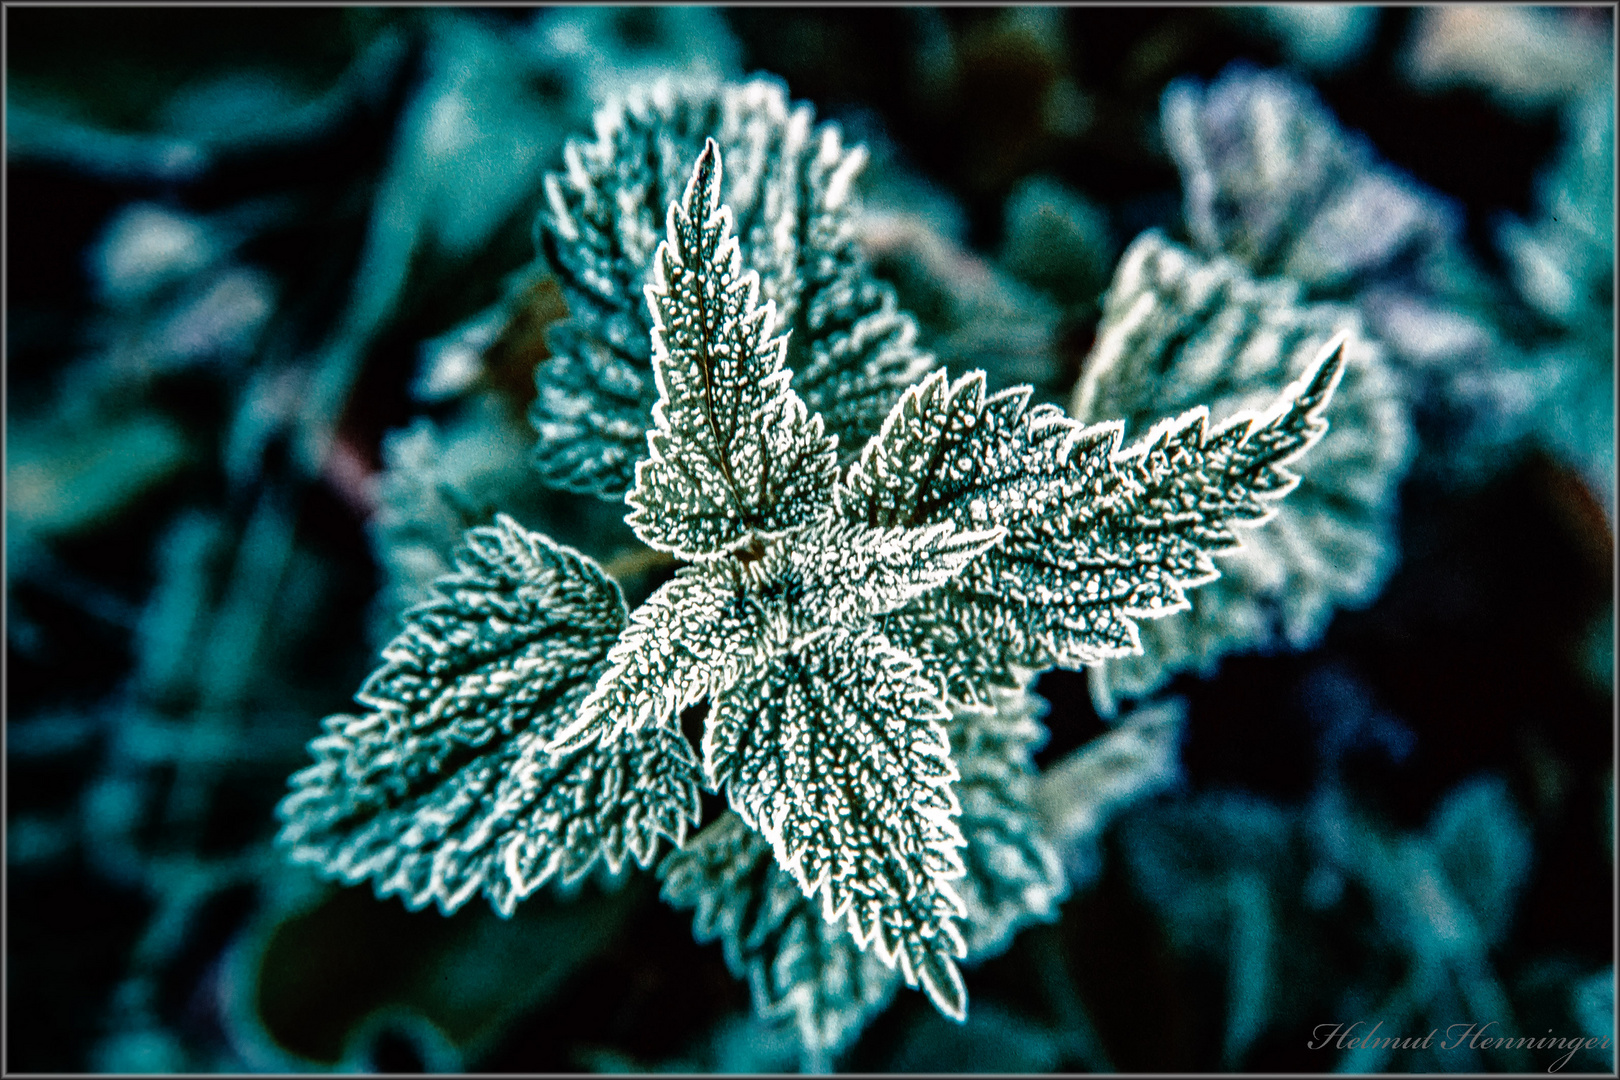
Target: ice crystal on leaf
point(802, 966)
point(1272, 180)
point(837, 754)
point(861, 636)
point(444, 787)
point(1012, 873)
point(1098, 535)
point(1178, 329)
point(735, 456)
point(797, 964)
point(788, 188)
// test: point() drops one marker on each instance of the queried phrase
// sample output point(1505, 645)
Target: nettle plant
point(857, 626)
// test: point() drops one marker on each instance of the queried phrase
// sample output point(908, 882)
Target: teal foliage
point(788, 190)
point(1178, 329)
point(443, 789)
point(935, 448)
point(797, 623)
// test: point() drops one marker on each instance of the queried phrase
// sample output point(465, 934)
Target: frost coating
point(797, 964)
point(699, 632)
point(1177, 330)
point(444, 788)
point(838, 756)
point(1012, 873)
point(1097, 536)
point(788, 186)
point(802, 966)
point(734, 455)
point(816, 621)
point(1271, 180)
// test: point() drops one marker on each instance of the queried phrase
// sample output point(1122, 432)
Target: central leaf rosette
point(837, 610)
point(830, 621)
point(828, 739)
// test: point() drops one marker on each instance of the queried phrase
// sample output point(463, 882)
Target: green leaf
point(1179, 330)
point(797, 964)
point(445, 787)
point(1013, 874)
point(734, 454)
point(698, 632)
point(836, 753)
point(686, 642)
point(789, 186)
point(852, 347)
point(842, 573)
point(1096, 536)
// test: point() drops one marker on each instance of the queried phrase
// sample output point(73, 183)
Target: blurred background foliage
point(272, 321)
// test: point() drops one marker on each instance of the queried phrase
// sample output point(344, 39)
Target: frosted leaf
point(836, 753)
point(797, 964)
point(686, 642)
point(1013, 875)
point(693, 637)
point(801, 965)
point(1270, 179)
point(971, 642)
point(789, 189)
point(1096, 536)
point(826, 623)
point(441, 478)
point(1179, 330)
point(852, 348)
point(444, 788)
point(842, 573)
point(734, 454)
point(949, 453)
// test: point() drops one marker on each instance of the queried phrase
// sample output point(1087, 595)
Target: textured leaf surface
point(1273, 181)
point(442, 477)
point(698, 632)
point(789, 188)
point(797, 963)
point(444, 787)
point(842, 573)
point(1179, 330)
point(1013, 874)
point(1096, 536)
point(734, 454)
point(838, 756)
point(688, 641)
